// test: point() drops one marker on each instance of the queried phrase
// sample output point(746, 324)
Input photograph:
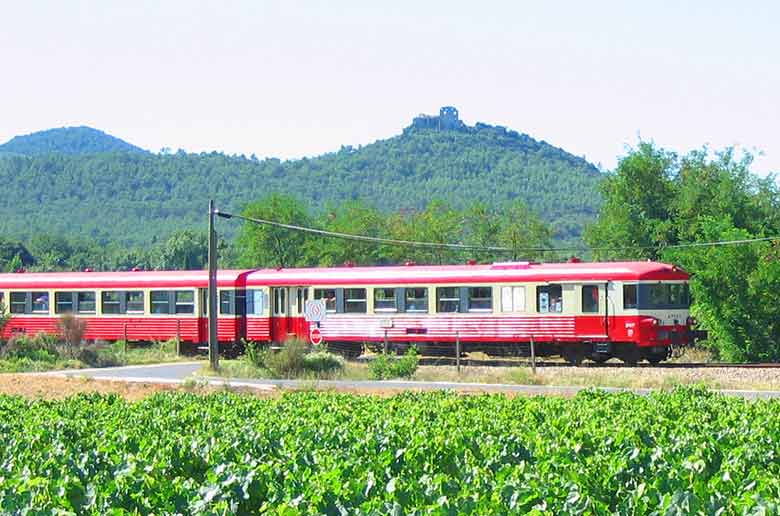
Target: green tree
point(261, 245)
point(184, 250)
point(520, 230)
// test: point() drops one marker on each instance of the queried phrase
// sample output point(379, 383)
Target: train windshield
point(664, 296)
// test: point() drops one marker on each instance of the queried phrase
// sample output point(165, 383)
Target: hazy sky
point(289, 79)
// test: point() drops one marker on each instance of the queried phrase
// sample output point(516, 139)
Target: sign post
point(212, 304)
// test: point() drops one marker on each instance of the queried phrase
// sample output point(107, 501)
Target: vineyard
point(688, 451)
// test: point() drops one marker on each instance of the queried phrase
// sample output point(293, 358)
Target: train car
point(629, 310)
point(135, 305)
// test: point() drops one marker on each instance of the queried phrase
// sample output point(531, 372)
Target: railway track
point(470, 362)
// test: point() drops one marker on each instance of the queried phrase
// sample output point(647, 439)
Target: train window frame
point(589, 298)
point(36, 297)
point(128, 302)
point(627, 287)
point(331, 304)
point(451, 297)
point(391, 302)
point(14, 304)
point(2, 303)
point(353, 302)
point(186, 306)
point(413, 301)
point(64, 298)
point(472, 298)
point(164, 302)
point(548, 290)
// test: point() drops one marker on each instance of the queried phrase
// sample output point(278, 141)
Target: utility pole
point(212, 304)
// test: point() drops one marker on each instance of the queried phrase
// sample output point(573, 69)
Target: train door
point(279, 314)
point(297, 321)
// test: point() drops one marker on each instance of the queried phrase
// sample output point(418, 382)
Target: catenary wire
point(468, 247)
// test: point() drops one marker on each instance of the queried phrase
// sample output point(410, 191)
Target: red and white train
point(629, 310)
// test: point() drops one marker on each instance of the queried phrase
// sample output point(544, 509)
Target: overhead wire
point(495, 249)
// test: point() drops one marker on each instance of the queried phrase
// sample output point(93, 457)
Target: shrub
point(289, 360)
point(39, 348)
point(385, 367)
point(100, 357)
point(255, 354)
point(323, 363)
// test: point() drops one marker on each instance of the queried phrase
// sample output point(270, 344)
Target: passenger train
point(629, 310)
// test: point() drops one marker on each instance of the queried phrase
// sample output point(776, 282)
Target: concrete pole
point(212, 304)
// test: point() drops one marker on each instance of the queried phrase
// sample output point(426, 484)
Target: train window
point(111, 303)
point(185, 301)
point(329, 295)
point(590, 299)
point(480, 299)
point(384, 300)
point(663, 295)
point(85, 302)
point(63, 302)
point(629, 297)
point(18, 302)
point(134, 302)
point(549, 299)
point(513, 299)
point(160, 302)
point(2, 302)
point(226, 302)
point(355, 300)
point(255, 302)
point(448, 299)
point(416, 299)
point(40, 302)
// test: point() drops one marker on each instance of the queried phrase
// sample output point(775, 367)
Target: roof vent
point(135, 269)
point(409, 264)
point(87, 270)
point(502, 266)
point(20, 270)
point(471, 261)
point(575, 259)
point(349, 263)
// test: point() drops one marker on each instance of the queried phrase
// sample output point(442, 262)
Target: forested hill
point(66, 140)
point(141, 197)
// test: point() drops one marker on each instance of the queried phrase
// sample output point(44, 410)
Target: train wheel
point(600, 358)
point(573, 354)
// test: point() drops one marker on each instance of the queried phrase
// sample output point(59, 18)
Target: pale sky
point(290, 79)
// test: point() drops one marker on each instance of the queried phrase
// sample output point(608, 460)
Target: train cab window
point(63, 302)
point(513, 299)
point(18, 302)
point(85, 302)
point(355, 300)
point(111, 303)
point(480, 299)
point(40, 302)
point(384, 300)
point(226, 300)
point(549, 299)
point(416, 300)
point(448, 299)
point(134, 302)
point(160, 301)
point(184, 302)
point(590, 299)
point(629, 297)
point(329, 295)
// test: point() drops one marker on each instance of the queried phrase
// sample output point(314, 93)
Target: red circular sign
point(315, 336)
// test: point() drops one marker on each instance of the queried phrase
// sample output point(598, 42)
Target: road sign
point(315, 336)
point(314, 311)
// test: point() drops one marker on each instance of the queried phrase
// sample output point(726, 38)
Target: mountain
point(66, 140)
point(136, 198)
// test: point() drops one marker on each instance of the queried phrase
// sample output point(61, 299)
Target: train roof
point(390, 275)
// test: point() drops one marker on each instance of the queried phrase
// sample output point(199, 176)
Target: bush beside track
point(686, 451)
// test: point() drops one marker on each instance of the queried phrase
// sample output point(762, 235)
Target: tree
point(261, 245)
point(520, 230)
point(184, 250)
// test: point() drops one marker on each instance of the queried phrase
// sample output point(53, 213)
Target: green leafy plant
point(384, 367)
